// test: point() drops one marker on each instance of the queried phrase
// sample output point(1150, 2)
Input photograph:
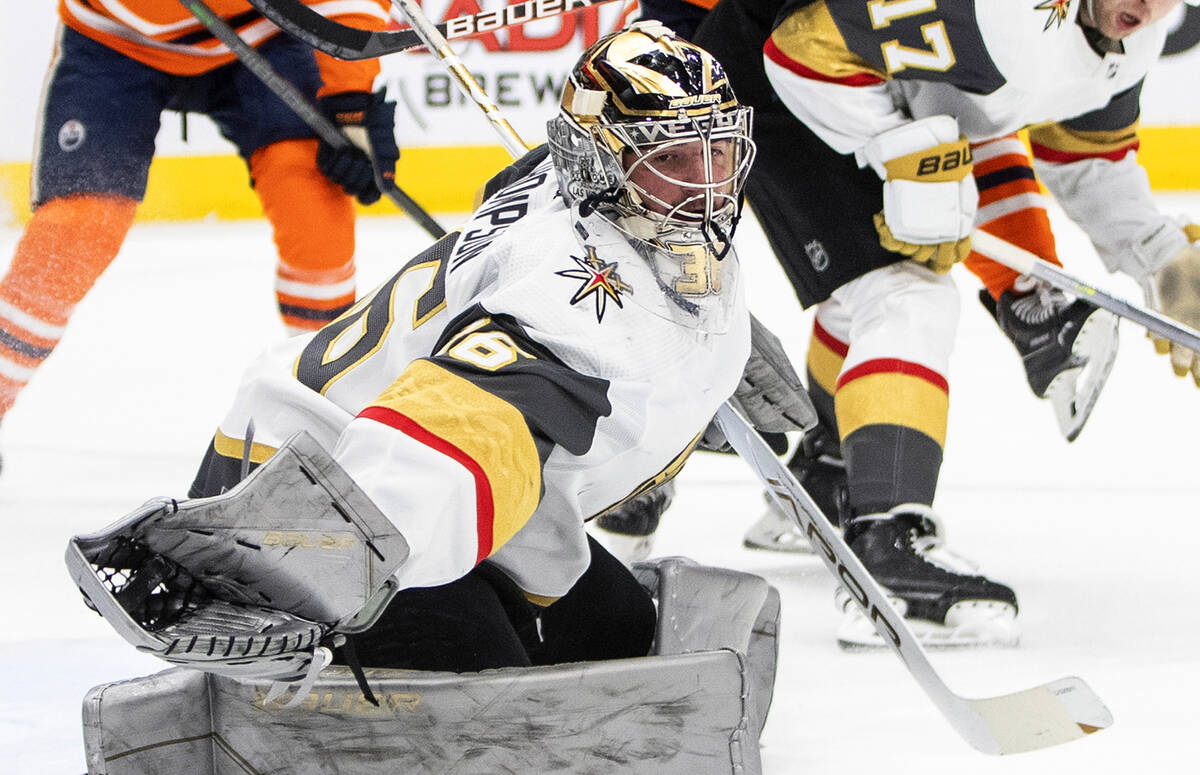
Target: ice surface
point(1098, 537)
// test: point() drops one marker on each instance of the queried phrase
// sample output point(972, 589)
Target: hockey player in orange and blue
point(115, 69)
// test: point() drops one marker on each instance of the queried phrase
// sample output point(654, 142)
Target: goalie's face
point(689, 177)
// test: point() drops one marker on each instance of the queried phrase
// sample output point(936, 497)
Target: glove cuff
point(347, 108)
point(1153, 247)
point(911, 138)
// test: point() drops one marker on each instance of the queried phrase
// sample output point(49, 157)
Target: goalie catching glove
point(929, 194)
point(250, 583)
point(1174, 289)
point(368, 122)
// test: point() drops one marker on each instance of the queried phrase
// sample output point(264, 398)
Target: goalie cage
point(695, 706)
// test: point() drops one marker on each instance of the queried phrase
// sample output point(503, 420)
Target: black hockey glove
point(368, 121)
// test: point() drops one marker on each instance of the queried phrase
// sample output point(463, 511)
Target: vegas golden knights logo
point(1058, 12)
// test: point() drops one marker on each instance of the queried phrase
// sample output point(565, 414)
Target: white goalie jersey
point(523, 374)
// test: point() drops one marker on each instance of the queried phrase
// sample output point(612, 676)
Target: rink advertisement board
point(448, 148)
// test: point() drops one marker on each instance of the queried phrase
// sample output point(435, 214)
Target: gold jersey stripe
point(489, 431)
point(1062, 138)
point(824, 364)
point(893, 399)
point(811, 37)
point(227, 446)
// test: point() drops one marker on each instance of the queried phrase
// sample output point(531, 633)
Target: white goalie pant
point(695, 706)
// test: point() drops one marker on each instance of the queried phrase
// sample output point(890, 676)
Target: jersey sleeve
point(830, 61)
point(338, 75)
point(454, 451)
point(1089, 163)
point(839, 95)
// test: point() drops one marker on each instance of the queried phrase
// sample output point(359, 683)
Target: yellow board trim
point(489, 430)
point(180, 188)
point(445, 179)
point(893, 399)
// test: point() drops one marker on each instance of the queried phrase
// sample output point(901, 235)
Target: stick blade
point(1044, 716)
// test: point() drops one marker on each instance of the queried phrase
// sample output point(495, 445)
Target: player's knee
point(312, 219)
point(64, 250)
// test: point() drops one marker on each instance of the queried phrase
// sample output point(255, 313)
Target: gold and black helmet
point(648, 74)
point(633, 98)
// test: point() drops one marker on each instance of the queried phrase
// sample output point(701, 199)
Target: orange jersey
point(164, 35)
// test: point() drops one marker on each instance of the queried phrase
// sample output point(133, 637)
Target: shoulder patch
point(599, 281)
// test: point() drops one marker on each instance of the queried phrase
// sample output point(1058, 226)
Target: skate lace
point(928, 540)
point(1040, 304)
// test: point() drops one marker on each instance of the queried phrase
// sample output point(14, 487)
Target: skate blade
point(969, 624)
point(787, 544)
point(775, 532)
point(1074, 392)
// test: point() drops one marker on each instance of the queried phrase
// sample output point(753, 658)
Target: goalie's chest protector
point(591, 302)
point(665, 382)
point(995, 65)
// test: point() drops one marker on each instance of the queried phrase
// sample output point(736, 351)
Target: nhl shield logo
point(818, 256)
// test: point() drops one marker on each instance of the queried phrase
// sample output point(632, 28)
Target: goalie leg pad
point(697, 705)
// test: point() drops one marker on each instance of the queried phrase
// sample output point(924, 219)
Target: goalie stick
point(283, 88)
point(1046, 715)
point(345, 42)
point(1020, 260)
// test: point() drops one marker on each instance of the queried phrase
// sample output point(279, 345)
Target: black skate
point(1068, 348)
point(819, 467)
point(628, 530)
point(937, 592)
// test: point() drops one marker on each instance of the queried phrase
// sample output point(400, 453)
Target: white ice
point(1098, 537)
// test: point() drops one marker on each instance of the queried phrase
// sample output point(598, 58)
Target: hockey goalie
point(408, 486)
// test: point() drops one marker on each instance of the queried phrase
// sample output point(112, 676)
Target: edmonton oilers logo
point(71, 135)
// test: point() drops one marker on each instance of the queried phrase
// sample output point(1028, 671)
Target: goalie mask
point(650, 136)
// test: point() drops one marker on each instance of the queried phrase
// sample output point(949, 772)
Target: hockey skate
point(1068, 347)
point(819, 467)
point(628, 530)
point(945, 602)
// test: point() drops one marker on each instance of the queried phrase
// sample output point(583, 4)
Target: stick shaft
point(437, 43)
point(1020, 260)
point(291, 96)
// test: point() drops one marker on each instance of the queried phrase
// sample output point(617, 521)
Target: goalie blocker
point(248, 583)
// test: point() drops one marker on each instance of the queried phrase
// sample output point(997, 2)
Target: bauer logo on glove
point(929, 194)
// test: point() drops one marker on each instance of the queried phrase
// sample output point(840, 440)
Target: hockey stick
point(1020, 260)
point(432, 37)
point(291, 96)
point(1046, 715)
point(345, 42)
